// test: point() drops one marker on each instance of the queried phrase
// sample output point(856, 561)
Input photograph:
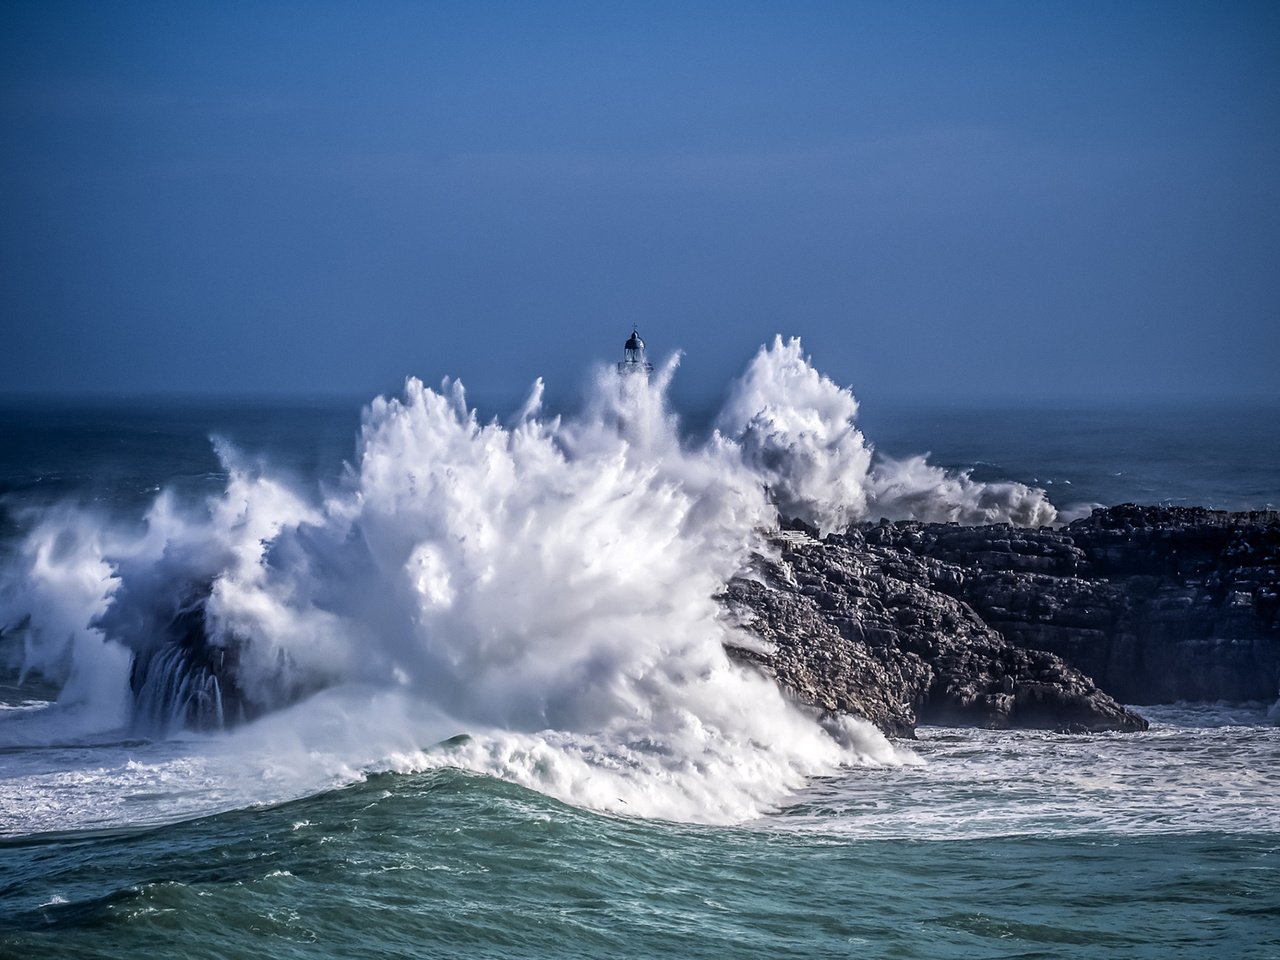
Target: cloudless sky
point(1027, 199)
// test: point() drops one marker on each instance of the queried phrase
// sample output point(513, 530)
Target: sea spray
point(546, 587)
point(56, 586)
point(796, 429)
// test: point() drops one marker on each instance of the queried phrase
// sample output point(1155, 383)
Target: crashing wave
point(550, 578)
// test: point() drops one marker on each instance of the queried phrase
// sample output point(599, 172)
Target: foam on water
point(546, 586)
point(1200, 768)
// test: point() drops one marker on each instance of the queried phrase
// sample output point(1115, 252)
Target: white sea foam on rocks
point(546, 586)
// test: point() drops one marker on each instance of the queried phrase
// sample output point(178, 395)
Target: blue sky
point(1017, 199)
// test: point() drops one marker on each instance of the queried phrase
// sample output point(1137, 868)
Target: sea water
point(675, 807)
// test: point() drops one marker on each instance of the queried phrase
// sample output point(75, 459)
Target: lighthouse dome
point(633, 360)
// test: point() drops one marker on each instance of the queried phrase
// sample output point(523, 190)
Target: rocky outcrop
point(855, 628)
point(1155, 603)
point(998, 626)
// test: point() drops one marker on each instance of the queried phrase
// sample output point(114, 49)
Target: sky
point(1018, 200)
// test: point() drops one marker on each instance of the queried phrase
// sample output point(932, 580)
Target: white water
point(546, 586)
point(1200, 768)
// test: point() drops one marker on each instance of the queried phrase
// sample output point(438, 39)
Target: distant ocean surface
point(966, 844)
point(1223, 455)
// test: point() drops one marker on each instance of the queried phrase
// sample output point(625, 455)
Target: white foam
point(796, 429)
point(546, 586)
point(1201, 768)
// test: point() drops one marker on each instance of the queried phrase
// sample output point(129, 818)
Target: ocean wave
point(546, 586)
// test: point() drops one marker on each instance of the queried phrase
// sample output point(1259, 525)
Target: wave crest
point(547, 586)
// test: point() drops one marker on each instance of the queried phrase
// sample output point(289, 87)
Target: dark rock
point(900, 652)
point(999, 626)
point(1156, 603)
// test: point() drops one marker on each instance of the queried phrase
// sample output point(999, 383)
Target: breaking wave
point(538, 594)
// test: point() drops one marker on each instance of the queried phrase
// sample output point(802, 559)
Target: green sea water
point(1165, 844)
point(452, 864)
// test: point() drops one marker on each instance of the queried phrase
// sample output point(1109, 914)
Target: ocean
point(460, 689)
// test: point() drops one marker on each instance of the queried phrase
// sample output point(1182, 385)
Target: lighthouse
point(633, 360)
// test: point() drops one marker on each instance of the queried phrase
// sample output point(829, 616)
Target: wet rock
point(1155, 603)
point(998, 626)
point(860, 629)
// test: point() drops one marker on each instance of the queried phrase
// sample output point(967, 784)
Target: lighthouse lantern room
point(633, 359)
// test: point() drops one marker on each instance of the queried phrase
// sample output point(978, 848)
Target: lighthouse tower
point(633, 360)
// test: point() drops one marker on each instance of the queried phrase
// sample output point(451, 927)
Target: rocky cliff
point(1155, 603)
point(997, 626)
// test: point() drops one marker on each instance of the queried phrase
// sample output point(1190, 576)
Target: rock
point(907, 622)
point(1155, 603)
point(861, 629)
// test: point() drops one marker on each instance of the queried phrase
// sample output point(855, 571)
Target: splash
point(796, 429)
point(545, 586)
